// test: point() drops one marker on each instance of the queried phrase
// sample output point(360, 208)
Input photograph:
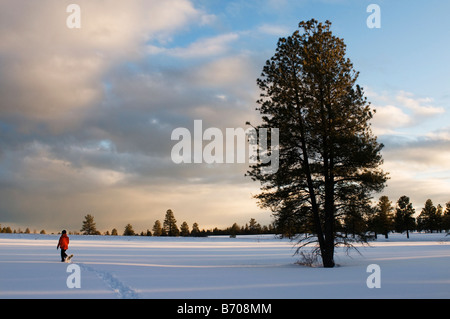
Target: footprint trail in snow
point(122, 290)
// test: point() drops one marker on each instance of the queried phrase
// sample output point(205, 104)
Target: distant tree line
point(380, 219)
point(169, 227)
point(8, 230)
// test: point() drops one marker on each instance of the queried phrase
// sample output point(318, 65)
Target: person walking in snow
point(63, 243)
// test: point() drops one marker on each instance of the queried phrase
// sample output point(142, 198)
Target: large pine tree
point(328, 157)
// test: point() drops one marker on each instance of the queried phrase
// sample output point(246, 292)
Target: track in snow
point(122, 290)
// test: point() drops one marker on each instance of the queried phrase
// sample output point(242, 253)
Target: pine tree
point(114, 232)
point(195, 230)
point(404, 220)
point(89, 227)
point(170, 224)
point(234, 230)
point(184, 228)
point(428, 220)
point(157, 229)
point(354, 222)
point(439, 218)
point(128, 230)
point(446, 218)
point(383, 221)
point(253, 227)
point(328, 157)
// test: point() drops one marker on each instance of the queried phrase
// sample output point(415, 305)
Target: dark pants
point(63, 254)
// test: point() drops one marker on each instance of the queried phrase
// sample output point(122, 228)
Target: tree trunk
point(328, 255)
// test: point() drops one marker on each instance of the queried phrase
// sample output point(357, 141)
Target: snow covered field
point(250, 267)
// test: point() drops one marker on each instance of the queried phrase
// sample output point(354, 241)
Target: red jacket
point(63, 242)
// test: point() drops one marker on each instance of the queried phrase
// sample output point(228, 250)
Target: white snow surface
point(246, 267)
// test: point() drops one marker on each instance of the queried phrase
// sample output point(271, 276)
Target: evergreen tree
point(354, 222)
point(89, 227)
point(234, 230)
point(439, 218)
point(446, 218)
point(383, 221)
point(184, 228)
point(195, 230)
point(291, 221)
point(170, 224)
point(157, 229)
point(328, 156)
point(254, 227)
point(404, 220)
point(128, 230)
point(429, 218)
point(114, 232)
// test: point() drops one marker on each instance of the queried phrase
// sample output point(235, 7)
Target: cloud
point(419, 167)
point(419, 106)
point(388, 118)
point(400, 111)
point(417, 152)
point(206, 47)
point(272, 29)
point(419, 186)
point(53, 75)
point(226, 72)
point(442, 134)
point(418, 171)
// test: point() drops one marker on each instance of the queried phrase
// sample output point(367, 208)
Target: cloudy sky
point(86, 115)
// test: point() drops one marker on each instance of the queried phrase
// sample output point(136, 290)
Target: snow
point(246, 267)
